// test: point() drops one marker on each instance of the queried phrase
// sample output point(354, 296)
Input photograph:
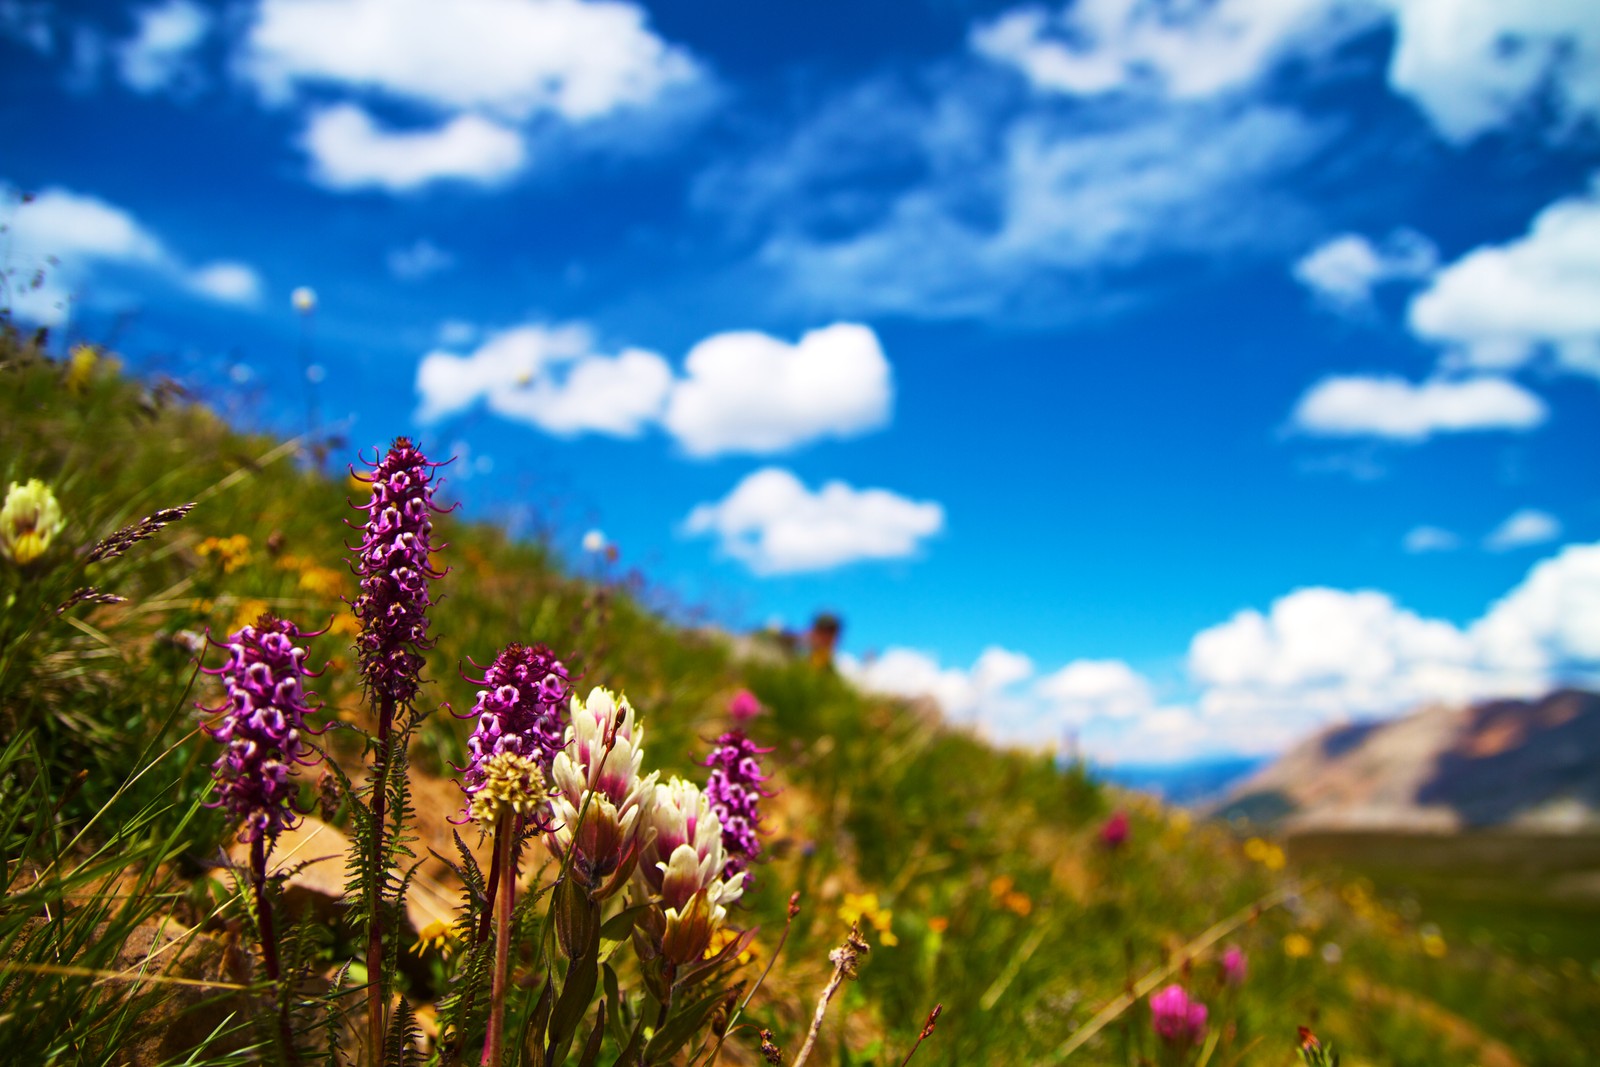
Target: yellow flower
point(436, 935)
point(1001, 885)
point(1297, 946)
point(859, 906)
point(248, 612)
point(938, 924)
point(722, 937)
point(322, 581)
point(1433, 942)
point(81, 363)
point(29, 521)
point(345, 625)
point(1270, 856)
point(1180, 821)
point(1018, 903)
point(231, 552)
point(1256, 849)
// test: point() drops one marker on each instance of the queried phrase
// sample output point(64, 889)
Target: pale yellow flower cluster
point(30, 519)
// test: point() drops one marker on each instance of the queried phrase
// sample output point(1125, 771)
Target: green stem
point(377, 1000)
point(494, 1042)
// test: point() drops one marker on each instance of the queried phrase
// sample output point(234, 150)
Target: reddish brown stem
point(269, 943)
point(494, 1042)
point(377, 1000)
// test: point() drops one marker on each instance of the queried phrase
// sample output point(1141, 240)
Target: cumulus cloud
point(419, 260)
point(1177, 49)
point(750, 392)
point(159, 55)
point(1391, 407)
point(1479, 65)
point(1422, 539)
point(739, 392)
point(775, 525)
point(68, 236)
point(1265, 678)
point(1504, 304)
point(968, 696)
point(1343, 271)
point(1528, 526)
point(349, 150)
point(513, 58)
point(550, 377)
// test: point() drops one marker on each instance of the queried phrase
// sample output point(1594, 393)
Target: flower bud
point(600, 767)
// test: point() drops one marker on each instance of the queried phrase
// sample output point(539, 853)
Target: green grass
point(1004, 906)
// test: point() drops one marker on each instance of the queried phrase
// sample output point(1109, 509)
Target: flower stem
point(377, 1001)
point(269, 942)
point(504, 838)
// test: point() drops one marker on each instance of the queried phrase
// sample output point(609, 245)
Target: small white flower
point(304, 299)
point(594, 542)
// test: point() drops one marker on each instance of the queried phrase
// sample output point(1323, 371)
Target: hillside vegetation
point(982, 879)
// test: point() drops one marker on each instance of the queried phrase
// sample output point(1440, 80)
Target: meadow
point(1049, 915)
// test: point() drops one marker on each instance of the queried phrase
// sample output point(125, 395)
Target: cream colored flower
point(600, 765)
point(682, 864)
point(29, 521)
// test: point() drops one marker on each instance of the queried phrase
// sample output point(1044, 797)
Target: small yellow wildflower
point(1001, 885)
point(231, 552)
point(1297, 946)
point(1018, 903)
point(436, 935)
point(859, 906)
point(248, 612)
point(1256, 849)
point(29, 521)
point(722, 937)
point(81, 363)
point(1181, 821)
point(322, 581)
point(345, 625)
point(1433, 941)
point(1270, 856)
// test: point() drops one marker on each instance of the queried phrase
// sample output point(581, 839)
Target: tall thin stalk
point(377, 993)
point(504, 841)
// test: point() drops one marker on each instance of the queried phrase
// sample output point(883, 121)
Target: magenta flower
point(1177, 1019)
point(1114, 834)
point(1234, 965)
point(263, 727)
point(734, 790)
point(743, 707)
point(396, 543)
point(521, 710)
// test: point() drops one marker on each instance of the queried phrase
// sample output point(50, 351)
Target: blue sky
point(1179, 377)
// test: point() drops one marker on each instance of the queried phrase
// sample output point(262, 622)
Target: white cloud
point(1388, 406)
point(158, 55)
point(749, 392)
point(1032, 213)
point(964, 695)
point(1549, 625)
point(1343, 271)
point(775, 525)
point(227, 283)
point(1503, 304)
point(1528, 526)
point(740, 392)
point(515, 58)
point(550, 377)
point(1089, 689)
point(419, 260)
point(68, 236)
point(1179, 49)
point(1478, 65)
point(350, 151)
point(1430, 539)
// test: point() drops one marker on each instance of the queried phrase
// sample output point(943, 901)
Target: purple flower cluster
point(520, 710)
point(734, 790)
point(396, 542)
point(262, 725)
point(1177, 1019)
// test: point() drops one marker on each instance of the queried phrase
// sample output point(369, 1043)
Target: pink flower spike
point(1176, 1019)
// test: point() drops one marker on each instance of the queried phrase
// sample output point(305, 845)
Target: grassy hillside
point(982, 875)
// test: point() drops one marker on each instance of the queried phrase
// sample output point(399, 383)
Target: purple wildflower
point(743, 707)
point(1114, 834)
point(519, 711)
point(1177, 1019)
point(263, 727)
point(1234, 965)
point(734, 790)
point(396, 542)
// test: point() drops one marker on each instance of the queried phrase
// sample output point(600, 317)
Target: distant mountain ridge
point(1504, 763)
